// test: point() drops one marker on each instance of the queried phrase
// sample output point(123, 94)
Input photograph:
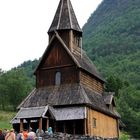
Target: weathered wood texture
point(65, 18)
point(91, 82)
point(21, 124)
point(76, 40)
point(77, 51)
point(56, 56)
point(71, 38)
point(47, 77)
point(106, 126)
point(65, 37)
point(57, 60)
point(40, 125)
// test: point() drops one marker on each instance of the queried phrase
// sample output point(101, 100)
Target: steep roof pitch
point(86, 64)
point(65, 18)
point(67, 95)
point(83, 62)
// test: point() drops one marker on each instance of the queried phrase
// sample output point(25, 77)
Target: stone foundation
point(62, 136)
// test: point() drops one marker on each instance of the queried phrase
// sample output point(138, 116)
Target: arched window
point(58, 78)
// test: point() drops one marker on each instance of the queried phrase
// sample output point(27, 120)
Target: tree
point(113, 84)
point(3, 91)
point(14, 86)
point(127, 106)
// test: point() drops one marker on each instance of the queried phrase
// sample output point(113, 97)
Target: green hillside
point(5, 118)
point(112, 41)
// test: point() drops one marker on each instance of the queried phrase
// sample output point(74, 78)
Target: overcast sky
point(24, 25)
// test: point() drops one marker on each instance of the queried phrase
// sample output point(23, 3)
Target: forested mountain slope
point(112, 38)
point(112, 41)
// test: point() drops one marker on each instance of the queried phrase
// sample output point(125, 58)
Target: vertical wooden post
point(71, 40)
point(85, 126)
point(74, 128)
point(40, 125)
point(118, 130)
point(88, 121)
point(28, 124)
point(64, 127)
point(85, 123)
point(21, 124)
point(47, 123)
point(55, 126)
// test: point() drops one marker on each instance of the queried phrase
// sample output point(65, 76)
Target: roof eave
point(89, 105)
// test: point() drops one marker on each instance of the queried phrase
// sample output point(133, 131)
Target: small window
point(57, 78)
point(94, 122)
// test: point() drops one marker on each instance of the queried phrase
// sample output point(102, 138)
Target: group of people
point(23, 135)
point(7, 135)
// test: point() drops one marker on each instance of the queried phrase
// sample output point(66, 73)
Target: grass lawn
point(5, 118)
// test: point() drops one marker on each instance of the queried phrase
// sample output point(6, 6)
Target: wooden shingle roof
point(68, 113)
point(67, 95)
point(86, 64)
point(59, 114)
point(64, 18)
point(32, 112)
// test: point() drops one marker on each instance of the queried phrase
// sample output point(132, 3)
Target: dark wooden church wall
point(56, 56)
point(76, 40)
point(70, 36)
point(65, 37)
point(67, 75)
point(57, 60)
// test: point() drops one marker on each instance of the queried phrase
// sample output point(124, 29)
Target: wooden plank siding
point(71, 39)
point(47, 77)
point(77, 51)
point(91, 82)
point(56, 56)
point(65, 37)
point(57, 60)
point(106, 126)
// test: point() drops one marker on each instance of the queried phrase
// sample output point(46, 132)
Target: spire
point(64, 18)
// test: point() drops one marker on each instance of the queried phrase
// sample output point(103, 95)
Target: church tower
point(66, 24)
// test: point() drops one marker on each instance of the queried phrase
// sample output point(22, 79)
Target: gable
point(56, 56)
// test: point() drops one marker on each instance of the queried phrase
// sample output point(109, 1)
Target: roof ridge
point(87, 100)
point(69, 13)
point(60, 13)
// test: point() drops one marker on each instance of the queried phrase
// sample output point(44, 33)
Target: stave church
point(69, 95)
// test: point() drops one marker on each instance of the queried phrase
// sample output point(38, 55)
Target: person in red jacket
point(25, 134)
